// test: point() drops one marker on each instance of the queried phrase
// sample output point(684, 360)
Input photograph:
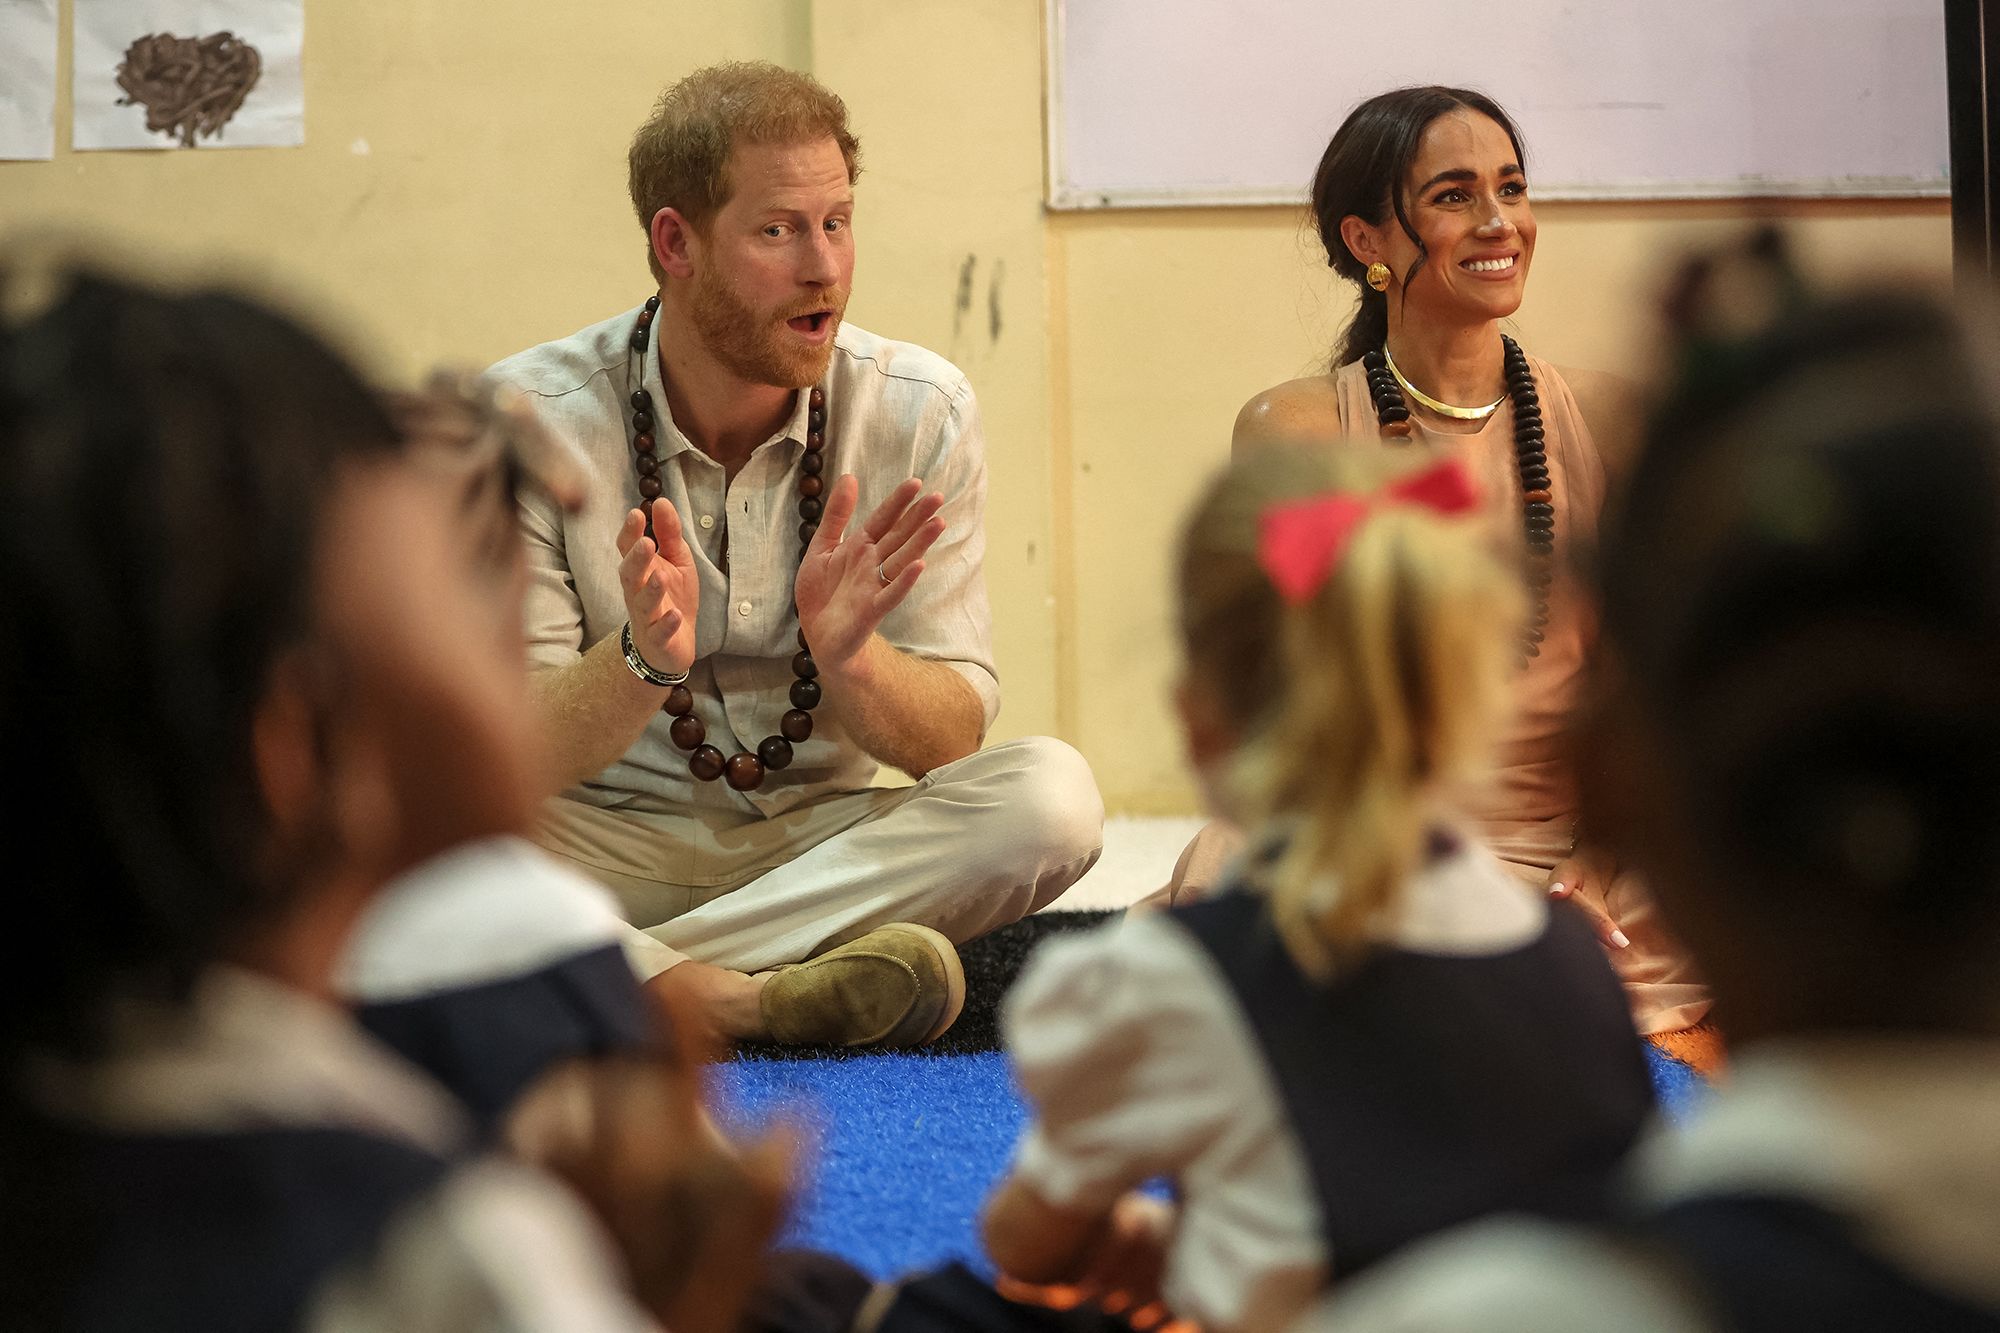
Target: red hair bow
point(1302, 541)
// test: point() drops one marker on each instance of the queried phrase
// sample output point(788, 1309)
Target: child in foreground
point(1376, 1032)
point(262, 644)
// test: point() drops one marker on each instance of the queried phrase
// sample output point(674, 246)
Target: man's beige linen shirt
point(894, 411)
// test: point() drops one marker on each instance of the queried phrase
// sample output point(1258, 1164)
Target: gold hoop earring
point(1378, 276)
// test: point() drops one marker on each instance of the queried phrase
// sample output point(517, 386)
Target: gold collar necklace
point(1442, 409)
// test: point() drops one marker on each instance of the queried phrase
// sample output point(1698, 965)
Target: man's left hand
point(847, 585)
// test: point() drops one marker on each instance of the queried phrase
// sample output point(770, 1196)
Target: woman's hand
point(1584, 878)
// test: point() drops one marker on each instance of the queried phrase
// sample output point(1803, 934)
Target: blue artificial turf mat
point(902, 1150)
point(1680, 1088)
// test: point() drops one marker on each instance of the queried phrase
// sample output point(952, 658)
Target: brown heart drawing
point(188, 85)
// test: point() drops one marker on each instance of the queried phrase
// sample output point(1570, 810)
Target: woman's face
point(1467, 198)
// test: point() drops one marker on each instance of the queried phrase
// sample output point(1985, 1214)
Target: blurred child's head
point(1799, 715)
point(255, 648)
point(1350, 703)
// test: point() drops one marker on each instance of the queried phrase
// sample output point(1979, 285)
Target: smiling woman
point(1422, 201)
point(1428, 178)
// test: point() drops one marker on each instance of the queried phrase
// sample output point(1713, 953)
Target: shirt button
point(743, 608)
point(707, 521)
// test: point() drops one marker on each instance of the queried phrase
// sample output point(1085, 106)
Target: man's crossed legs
point(869, 890)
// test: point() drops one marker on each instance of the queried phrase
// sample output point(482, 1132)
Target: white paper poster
point(189, 74)
point(28, 79)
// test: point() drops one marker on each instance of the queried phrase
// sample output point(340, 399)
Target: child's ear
point(322, 773)
point(285, 747)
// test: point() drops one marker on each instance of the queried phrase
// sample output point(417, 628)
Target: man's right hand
point(662, 588)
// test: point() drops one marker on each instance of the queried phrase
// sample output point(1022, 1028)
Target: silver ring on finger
point(882, 573)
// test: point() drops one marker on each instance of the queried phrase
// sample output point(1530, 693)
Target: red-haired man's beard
point(787, 348)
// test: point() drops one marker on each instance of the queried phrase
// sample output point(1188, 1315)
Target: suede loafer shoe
point(898, 985)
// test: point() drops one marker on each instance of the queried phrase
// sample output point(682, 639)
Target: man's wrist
point(643, 669)
point(858, 671)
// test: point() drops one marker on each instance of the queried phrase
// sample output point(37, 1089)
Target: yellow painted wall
point(949, 227)
point(461, 192)
point(488, 212)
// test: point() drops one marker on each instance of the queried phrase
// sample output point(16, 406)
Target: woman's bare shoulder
point(1301, 411)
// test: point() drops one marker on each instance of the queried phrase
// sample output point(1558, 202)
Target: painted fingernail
point(1618, 938)
point(1556, 890)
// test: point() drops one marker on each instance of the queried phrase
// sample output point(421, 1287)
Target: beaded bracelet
point(643, 669)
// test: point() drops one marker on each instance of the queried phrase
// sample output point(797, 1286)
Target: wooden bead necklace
point(1531, 460)
point(744, 772)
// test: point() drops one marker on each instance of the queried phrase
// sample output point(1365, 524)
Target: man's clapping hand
point(847, 585)
point(661, 586)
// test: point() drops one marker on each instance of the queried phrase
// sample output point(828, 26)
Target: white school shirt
point(495, 1248)
point(1901, 1135)
point(483, 912)
point(1140, 1064)
point(894, 411)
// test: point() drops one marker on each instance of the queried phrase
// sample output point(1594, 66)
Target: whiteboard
point(1180, 102)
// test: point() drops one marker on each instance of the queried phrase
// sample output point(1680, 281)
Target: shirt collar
point(670, 439)
point(247, 1051)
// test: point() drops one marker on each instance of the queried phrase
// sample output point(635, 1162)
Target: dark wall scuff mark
point(963, 306)
point(993, 299)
